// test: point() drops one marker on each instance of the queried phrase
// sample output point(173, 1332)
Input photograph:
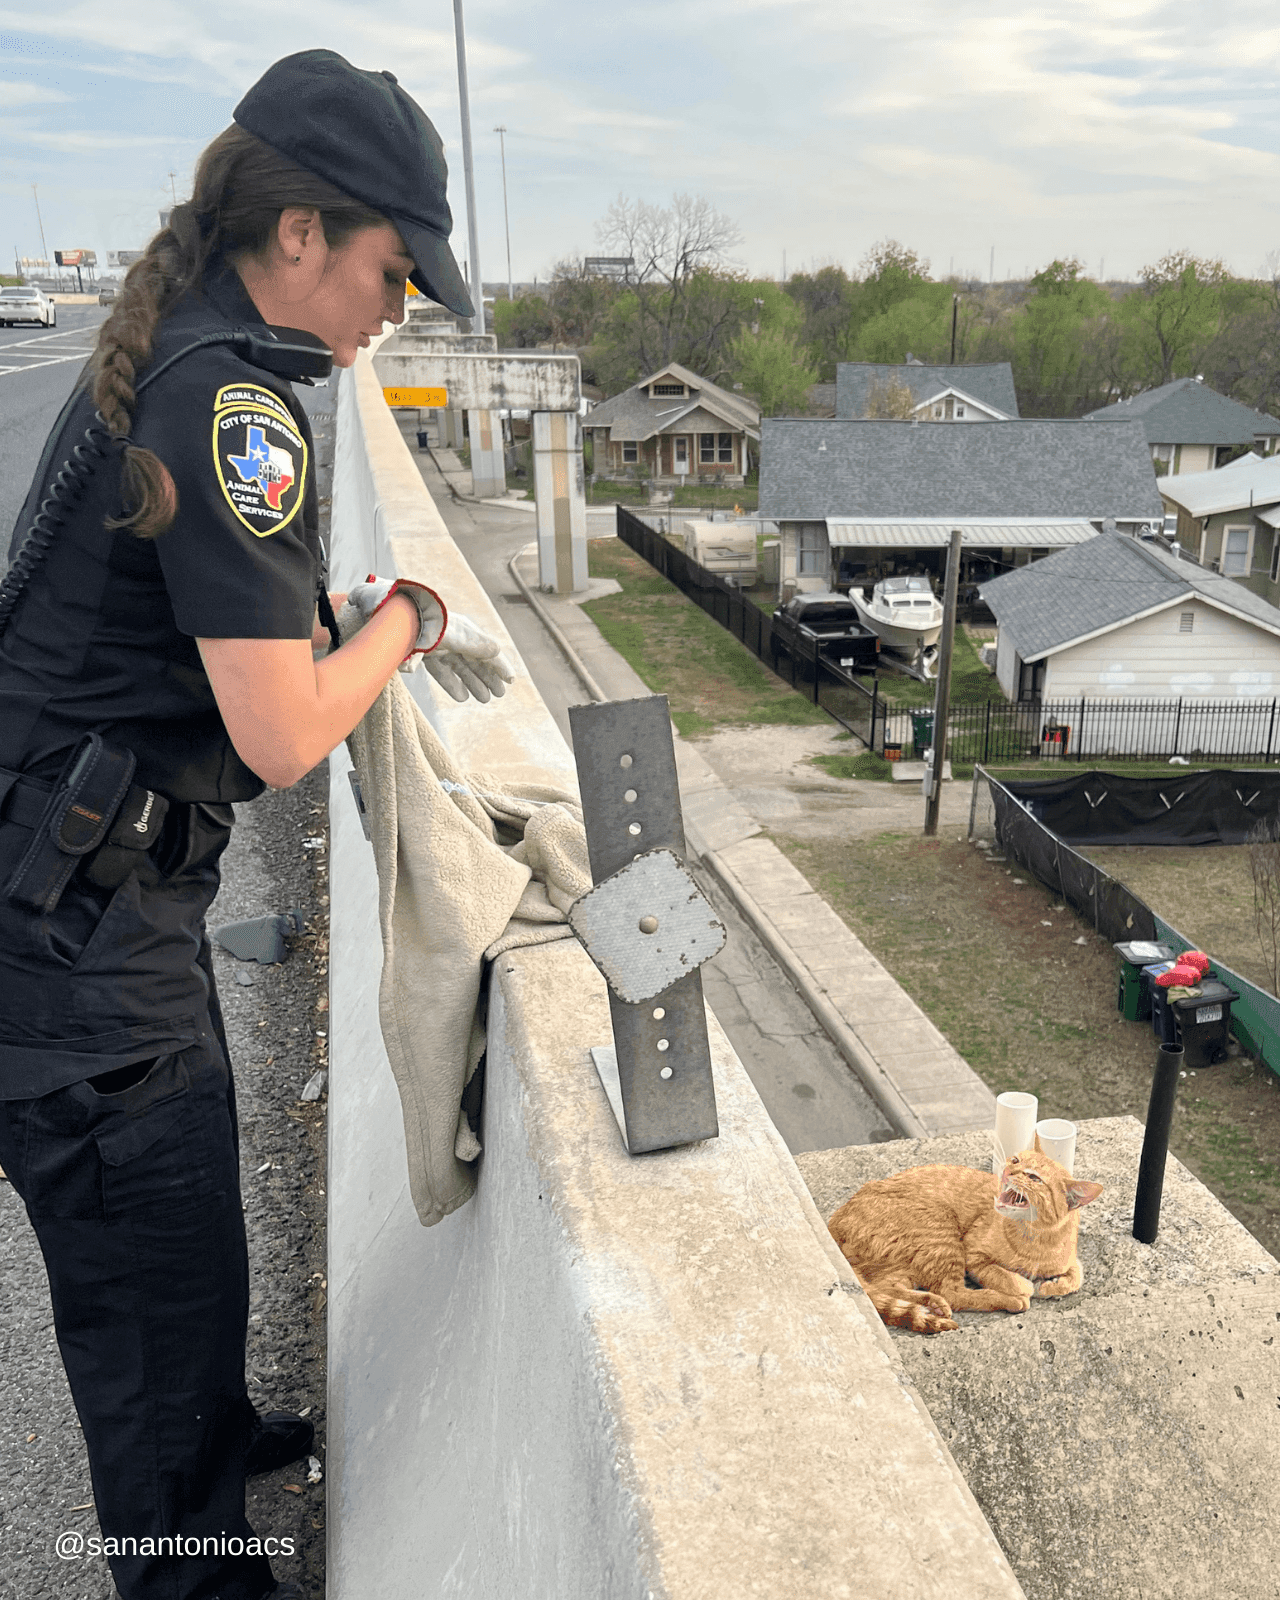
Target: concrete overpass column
point(561, 501)
point(454, 437)
point(488, 470)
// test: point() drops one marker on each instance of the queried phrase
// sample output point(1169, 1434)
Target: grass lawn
point(971, 683)
point(708, 495)
point(711, 680)
point(993, 962)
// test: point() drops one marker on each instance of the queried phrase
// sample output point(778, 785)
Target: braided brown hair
point(241, 187)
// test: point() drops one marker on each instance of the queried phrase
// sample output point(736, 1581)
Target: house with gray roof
point(1191, 427)
point(1228, 520)
point(981, 392)
point(673, 427)
point(1124, 619)
point(859, 500)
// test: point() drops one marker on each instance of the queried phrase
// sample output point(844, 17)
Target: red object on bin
point(1196, 959)
point(1178, 977)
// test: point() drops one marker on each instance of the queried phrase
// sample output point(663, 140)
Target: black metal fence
point(1126, 730)
point(993, 732)
point(856, 706)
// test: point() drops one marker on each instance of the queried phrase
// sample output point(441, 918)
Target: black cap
point(362, 132)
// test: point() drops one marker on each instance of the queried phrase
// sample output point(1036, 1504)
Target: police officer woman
point(156, 665)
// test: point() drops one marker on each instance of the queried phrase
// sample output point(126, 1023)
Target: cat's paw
point(921, 1312)
point(1052, 1288)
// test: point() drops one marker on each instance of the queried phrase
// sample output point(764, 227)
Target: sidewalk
point(921, 1084)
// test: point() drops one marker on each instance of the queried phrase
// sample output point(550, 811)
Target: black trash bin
point(424, 439)
point(1164, 1024)
point(1204, 1022)
point(1133, 1000)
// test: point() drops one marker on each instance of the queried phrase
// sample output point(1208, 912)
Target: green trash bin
point(922, 731)
point(1133, 1001)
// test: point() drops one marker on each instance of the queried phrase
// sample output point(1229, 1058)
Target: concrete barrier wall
point(604, 1376)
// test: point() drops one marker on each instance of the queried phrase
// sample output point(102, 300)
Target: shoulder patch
point(259, 455)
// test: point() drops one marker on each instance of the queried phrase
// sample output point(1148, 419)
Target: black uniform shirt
point(104, 637)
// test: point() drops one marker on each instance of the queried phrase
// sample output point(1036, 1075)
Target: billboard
point(76, 258)
point(123, 258)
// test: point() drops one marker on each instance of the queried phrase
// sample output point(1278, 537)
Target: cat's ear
point(1037, 1146)
point(1079, 1193)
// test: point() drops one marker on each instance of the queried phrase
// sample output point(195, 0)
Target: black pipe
point(1155, 1144)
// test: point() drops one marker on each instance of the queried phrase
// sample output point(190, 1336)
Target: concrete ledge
point(605, 1376)
point(1121, 1441)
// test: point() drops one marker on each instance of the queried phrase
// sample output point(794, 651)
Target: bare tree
point(890, 400)
point(1264, 867)
point(676, 249)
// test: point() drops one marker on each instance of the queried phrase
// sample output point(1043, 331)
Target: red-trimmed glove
point(461, 657)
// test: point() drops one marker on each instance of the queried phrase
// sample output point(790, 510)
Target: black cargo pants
point(131, 1181)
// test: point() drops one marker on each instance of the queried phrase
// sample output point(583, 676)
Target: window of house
point(668, 388)
point(813, 554)
point(706, 447)
point(937, 413)
point(725, 449)
point(1235, 552)
point(959, 411)
point(1186, 621)
point(629, 451)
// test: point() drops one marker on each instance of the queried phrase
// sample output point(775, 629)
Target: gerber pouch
point(94, 807)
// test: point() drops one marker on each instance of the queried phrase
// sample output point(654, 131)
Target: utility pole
point(942, 695)
point(955, 311)
point(468, 171)
point(991, 274)
point(502, 146)
point(44, 248)
point(173, 191)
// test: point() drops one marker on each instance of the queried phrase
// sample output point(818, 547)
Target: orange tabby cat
point(912, 1239)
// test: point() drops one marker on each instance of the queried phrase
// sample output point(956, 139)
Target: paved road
point(815, 1101)
point(38, 368)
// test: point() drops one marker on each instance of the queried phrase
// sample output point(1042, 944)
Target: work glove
point(461, 657)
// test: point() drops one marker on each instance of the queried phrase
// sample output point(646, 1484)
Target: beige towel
point(466, 870)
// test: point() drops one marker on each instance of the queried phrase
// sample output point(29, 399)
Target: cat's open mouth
point(1011, 1202)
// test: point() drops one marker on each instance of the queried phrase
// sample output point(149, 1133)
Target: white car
point(27, 305)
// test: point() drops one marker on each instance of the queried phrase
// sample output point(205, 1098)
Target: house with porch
point(1228, 521)
point(1192, 428)
point(674, 427)
point(1121, 619)
point(859, 500)
point(980, 392)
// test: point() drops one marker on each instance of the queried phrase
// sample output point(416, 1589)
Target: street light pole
point(44, 248)
point(468, 173)
point(942, 695)
point(502, 146)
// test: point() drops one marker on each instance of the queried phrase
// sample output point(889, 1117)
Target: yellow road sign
point(429, 399)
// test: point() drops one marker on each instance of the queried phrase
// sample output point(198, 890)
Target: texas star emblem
point(260, 456)
point(265, 464)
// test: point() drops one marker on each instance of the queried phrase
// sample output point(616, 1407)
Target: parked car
point(825, 624)
point(26, 304)
point(106, 294)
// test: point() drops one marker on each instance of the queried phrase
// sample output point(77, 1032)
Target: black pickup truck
point(827, 625)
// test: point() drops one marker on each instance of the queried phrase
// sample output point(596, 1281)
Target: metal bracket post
point(658, 1074)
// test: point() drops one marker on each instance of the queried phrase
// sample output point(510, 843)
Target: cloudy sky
point(1113, 130)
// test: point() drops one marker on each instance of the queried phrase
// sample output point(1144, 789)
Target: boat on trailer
point(905, 612)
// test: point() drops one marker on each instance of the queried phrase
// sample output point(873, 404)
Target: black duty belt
point(94, 817)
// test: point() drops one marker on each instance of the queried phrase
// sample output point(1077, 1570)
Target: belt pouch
point(84, 803)
point(135, 830)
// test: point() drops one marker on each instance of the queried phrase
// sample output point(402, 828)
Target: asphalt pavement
point(277, 1027)
point(38, 369)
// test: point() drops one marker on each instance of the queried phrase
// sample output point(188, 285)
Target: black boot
point(278, 1438)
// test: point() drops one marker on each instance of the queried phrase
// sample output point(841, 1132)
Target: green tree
point(918, 325)
point(523, 323)
point(1174, 317)
point(768, 356)
point(826, 300)
point(1056, 366)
